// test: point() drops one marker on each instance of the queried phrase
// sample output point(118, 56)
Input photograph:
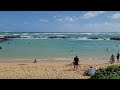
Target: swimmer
point(107, 49)
point(71, 50)
point(116, 45)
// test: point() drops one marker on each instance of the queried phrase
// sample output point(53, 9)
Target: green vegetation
point(111, 72)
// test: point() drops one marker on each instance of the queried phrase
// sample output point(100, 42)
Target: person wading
point(118, 55)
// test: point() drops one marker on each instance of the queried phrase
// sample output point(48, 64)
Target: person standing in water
point(112, 59)
point(118, 55)
point(75, 62)
point(107, 49)
point(35, 61)
point(116, 45)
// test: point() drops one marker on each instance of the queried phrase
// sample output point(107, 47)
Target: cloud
point(102, 27)
point(43, 20)
point(91, 27)
point(92, 14)
point(61, 18)
point(116, 16)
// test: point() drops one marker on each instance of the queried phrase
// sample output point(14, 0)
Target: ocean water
point(40, 46)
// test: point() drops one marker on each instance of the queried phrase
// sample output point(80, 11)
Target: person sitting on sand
point(35, 61)
point(112, 59)
point(75, 62)
point(90, 71)
point(118, 57)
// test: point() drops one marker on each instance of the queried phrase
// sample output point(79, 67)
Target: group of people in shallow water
point(112, 58)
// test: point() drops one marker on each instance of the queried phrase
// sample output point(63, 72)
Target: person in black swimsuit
point(117, 57)
point(75, 62)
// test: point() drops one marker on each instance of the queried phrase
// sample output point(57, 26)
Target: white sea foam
point(87, 33)
point(36, 34)
point(16, 34)
point(26, 36)
point(6, 33)
point(25, 33)
point(60, 35)
point(61, 59)
point(100, 39)
point(31, 38)
point(81, 38)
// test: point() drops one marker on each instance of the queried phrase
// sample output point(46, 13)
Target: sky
point(59, 21)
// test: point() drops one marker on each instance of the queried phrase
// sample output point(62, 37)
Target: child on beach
point(75, 62)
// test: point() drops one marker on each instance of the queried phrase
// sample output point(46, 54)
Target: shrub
point(111, 72)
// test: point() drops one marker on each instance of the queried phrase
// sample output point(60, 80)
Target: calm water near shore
point(43, 47)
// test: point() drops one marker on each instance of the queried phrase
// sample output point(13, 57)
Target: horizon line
point(56, 32)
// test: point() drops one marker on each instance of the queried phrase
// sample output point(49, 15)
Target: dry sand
point(46, 69)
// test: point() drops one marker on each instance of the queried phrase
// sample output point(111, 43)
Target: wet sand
point(46, 69)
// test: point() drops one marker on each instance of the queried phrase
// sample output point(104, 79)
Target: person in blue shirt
point(91, 71)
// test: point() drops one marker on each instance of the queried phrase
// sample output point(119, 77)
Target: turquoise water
point(57, 48)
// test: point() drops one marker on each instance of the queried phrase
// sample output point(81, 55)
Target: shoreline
point(47, 69)
point(54, 61)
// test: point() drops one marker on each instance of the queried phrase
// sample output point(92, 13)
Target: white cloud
point(92, 14)
point(43, 20)
point(91, 27)
point(61, 18)
point(70, 19)
point(115, 16)
point(102, 27)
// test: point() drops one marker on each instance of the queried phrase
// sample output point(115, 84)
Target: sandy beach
point(46, 69)
point(55, 39)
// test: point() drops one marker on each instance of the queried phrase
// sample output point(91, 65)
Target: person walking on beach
point(118, 57)
point(112, 59)
point(75, 62)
